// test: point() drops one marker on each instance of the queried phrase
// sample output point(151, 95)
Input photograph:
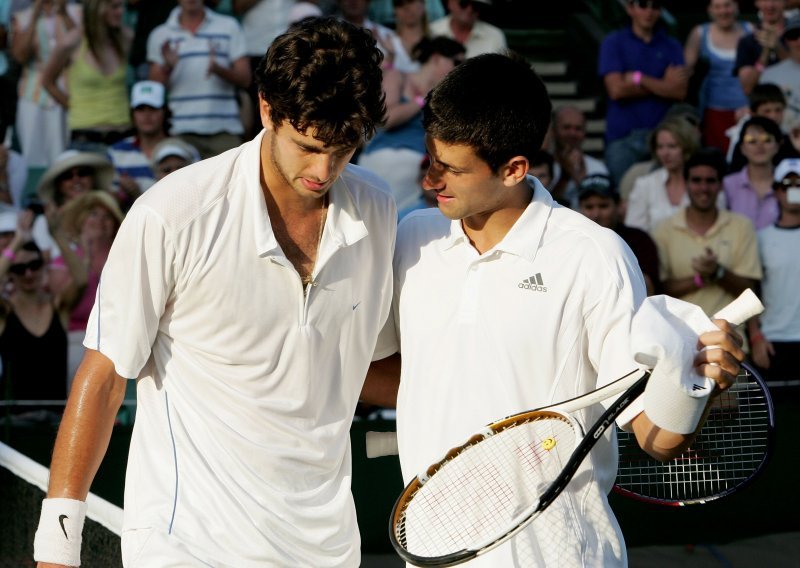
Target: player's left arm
point(382, 382)
point(718, 358)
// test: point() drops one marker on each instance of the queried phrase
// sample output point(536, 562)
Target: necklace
point(308, 279)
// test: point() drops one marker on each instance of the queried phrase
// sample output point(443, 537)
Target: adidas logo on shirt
point(534, 283)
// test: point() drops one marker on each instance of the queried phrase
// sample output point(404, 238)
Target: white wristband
point(670, 407)
point(58, 538)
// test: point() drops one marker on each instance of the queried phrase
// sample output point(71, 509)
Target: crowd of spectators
point(700, 174)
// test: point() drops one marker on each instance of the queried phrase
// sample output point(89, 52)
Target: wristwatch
point(719, 273)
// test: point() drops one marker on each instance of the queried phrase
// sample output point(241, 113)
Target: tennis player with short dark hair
point(505, 301)
point(245, 294)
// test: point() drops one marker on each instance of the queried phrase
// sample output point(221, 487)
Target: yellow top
point(96, 99)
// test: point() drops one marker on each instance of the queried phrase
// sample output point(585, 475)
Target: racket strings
point(728, 450)
point(492, 482)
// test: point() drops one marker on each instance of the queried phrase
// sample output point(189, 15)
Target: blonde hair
point(686, 135)
point(94, 28)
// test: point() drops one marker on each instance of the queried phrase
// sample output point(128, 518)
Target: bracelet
point(9, 254)
point(698, 280)
point(58, 537)
point(636, 78)
point(420, 100)
point(756, 337)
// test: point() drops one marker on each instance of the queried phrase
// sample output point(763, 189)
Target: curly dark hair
point(325, 74)
point(494, 103)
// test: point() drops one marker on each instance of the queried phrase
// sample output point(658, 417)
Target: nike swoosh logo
point(61, 522)
point(356, 305)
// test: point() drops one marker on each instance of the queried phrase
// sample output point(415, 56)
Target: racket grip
point(381, 444)
point(741, 309)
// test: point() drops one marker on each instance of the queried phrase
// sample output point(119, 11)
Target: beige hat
point(74, 212)
point(103, 171)
point(174, 147)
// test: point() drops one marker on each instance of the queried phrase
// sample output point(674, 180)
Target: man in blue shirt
point(643, 72)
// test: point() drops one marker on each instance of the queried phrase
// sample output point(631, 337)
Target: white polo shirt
point(542, 317)
point(200, 103)
point(246, 388)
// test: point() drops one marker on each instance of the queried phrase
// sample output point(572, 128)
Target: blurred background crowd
point(697, 166)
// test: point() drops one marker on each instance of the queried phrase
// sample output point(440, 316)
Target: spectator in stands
point(72, 174)
point(786, 74)
point(172, 154)
point(201, 58)
point(464, 24)
point(395, 55)
point(775, 335)
point(661, 193)
point(91, 222)
point(643, 72)
point(8, 88)
point(41, 123)
point(131, 156)
point(542, 167)
point(33, 342)
point(149, 14)
point(708, 255)
point(94, 57)
point(711, 49)
point(762, 48)
point(383, 11)
point(749, 191)
point(599, 201)
point(396, 151)
point(303, 9)
point(572, 164)
point(13, 177)
point(262, 21)
point(411, 22)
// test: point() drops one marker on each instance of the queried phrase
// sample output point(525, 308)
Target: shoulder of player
point(581, 236)
point(189, 193)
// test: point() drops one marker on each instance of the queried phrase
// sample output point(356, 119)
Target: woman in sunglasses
point(33, 340)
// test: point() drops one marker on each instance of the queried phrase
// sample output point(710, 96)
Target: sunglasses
point(753, 138)
point(787, 183)
point(706, 180)
point(792, 35)
point(643, 4)
point(23, 267)
point(81, 171)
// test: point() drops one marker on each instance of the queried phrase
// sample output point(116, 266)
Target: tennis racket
point(729, 452)
point(490, 488)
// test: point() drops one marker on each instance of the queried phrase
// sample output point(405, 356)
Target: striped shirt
point(200, 103)
point(129, 160)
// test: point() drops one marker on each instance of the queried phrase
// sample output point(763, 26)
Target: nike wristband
point(670, 407)
point(58, 538)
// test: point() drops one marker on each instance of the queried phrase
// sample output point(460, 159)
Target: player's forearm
point(382, 382)
point(85, 430)
point(661, 444)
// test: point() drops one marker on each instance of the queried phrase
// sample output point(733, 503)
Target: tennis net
point(22, 487)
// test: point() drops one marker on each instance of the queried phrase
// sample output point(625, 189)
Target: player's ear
point(263, 111)
point(514, 171)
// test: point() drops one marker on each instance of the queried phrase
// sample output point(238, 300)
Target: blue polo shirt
point(623, 51)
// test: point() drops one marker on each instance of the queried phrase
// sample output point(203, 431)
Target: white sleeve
point(154, 43)
point(636, 215)
point(135, 286)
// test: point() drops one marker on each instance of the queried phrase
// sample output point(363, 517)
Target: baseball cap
point(786, 167)
point(8, 221)
point(792, 24)
point(147, 93)
point(174, 147)
point(597, 184)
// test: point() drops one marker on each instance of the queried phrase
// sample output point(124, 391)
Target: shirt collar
point(344, 223)
point(172, 19)
point(525, 235)
point(723, 218)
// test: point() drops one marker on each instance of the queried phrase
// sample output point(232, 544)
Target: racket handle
point(741, 309)
point(381, 444)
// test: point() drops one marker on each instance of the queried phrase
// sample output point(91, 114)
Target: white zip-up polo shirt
point(542, 317)
point(246, 386)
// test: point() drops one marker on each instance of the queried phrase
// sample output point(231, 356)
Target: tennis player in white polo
point(244, 294)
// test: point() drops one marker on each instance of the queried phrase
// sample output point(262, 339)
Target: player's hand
point(761, 352)
point(720, 355)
